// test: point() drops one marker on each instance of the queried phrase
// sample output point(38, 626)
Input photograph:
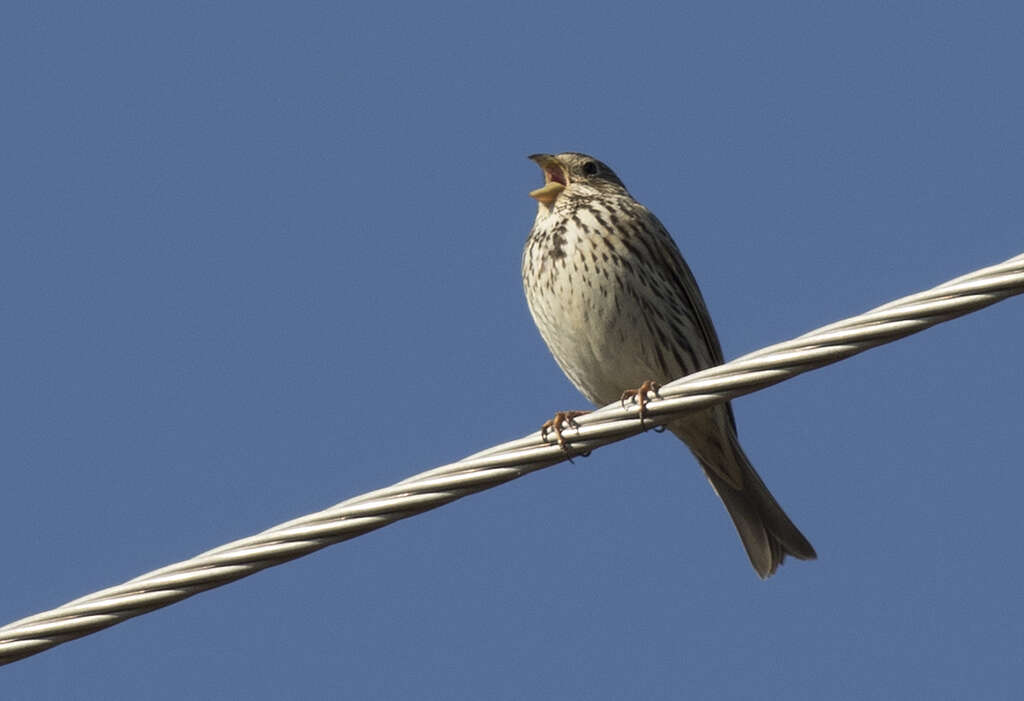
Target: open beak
point(555, 178)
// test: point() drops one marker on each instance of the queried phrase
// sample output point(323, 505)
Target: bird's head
point(574, 175)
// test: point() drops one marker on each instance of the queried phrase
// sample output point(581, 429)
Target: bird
point(621, 313)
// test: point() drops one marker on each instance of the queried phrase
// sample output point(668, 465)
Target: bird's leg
point(639, 395)
point(554, 425)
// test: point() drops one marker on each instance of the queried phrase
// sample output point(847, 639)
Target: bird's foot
point(639, 395)
point(555, 424)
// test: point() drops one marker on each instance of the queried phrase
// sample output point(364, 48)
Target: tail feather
point(767, 533)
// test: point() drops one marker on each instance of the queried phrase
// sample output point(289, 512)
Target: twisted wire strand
point(502, 463)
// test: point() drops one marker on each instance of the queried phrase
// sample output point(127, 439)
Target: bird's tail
point(766, 531)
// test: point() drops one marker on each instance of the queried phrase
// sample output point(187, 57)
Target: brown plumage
point(618, 306)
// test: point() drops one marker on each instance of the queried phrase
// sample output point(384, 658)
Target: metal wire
point(506, 462)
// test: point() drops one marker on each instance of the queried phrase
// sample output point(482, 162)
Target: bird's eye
point(590, 168)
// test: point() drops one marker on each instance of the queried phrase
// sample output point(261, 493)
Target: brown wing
point(689, 296)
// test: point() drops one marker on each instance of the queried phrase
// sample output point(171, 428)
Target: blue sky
point(258, 260)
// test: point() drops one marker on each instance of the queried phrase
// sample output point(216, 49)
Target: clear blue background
point(258, 258)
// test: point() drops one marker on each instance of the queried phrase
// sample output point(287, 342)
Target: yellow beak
point(555, 178)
